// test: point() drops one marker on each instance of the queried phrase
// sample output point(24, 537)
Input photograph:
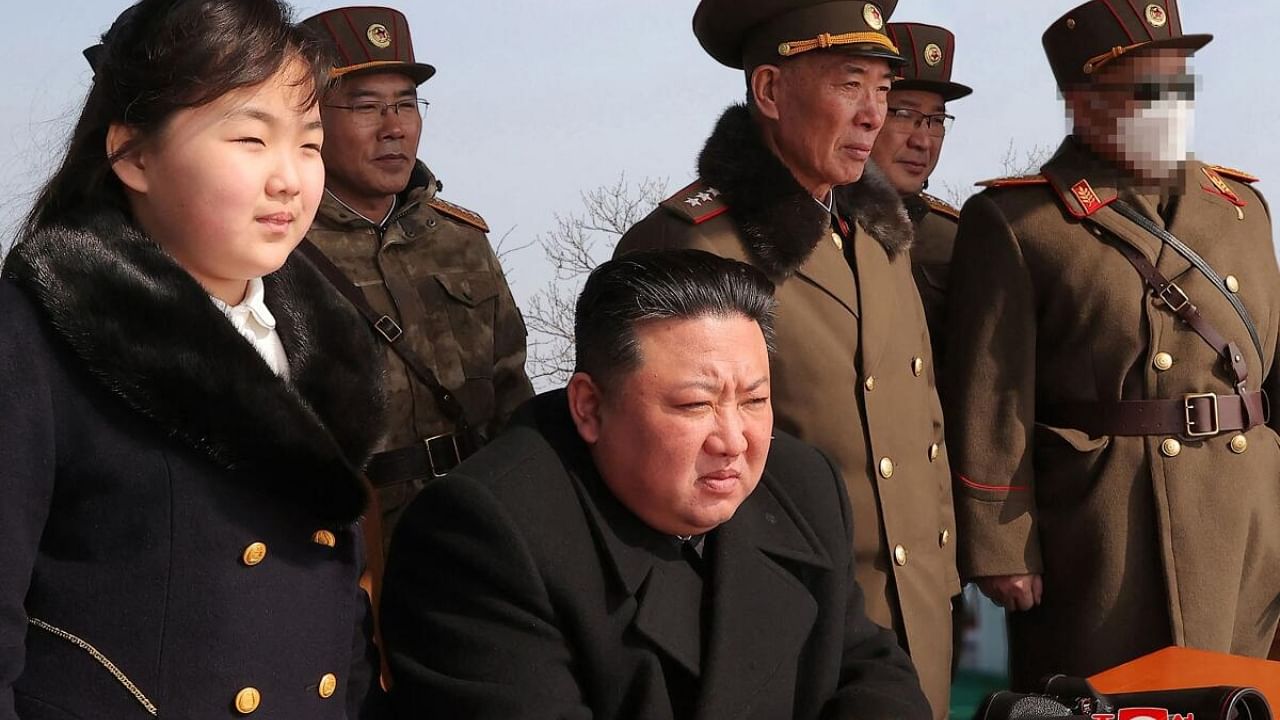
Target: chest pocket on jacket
point(470, 301)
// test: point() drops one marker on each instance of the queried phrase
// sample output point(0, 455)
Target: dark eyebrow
point(361, 94)
point(253, 114)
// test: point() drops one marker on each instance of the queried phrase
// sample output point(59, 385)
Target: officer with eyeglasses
point(1111, 370)
point(420, 269)
point(907, 150)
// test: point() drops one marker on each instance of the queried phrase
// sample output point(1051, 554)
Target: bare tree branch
point(578, 243)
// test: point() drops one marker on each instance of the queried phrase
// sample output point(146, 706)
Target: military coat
point(935, 222)
point(851, 374)
point(431, 269)
point(1143, 541)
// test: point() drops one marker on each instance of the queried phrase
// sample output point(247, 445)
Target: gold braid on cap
point(826, 40)
point(1098, 61)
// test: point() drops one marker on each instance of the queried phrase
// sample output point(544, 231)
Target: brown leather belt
point(1197, 415)
point(432, 458)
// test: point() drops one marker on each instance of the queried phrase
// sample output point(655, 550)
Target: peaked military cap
point(1084, 40)
point(369, 39)
point(745, 33)
point(929, 52)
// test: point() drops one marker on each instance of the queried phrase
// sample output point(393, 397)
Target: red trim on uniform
point(1175, 20)
point(395, 37)
point(346, 16)
point(947, 57)
point(1142, 16)
point(345, 58)
point(1125, 28)
point(844, 226)
point(979, 486)
point(713, 214)
point(916, 59)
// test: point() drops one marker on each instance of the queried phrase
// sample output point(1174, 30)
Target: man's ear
point(129, 167)
point(585, 400)
point(764, 88)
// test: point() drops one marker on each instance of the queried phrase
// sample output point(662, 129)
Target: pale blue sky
point(537, 101)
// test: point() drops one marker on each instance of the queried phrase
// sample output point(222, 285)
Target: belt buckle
point(1188, 402)
point(431, 458)
point(388, 328)
point(1181, 297)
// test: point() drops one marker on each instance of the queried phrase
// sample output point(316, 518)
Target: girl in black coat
point(184, 408)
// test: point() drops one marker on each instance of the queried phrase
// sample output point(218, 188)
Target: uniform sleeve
point(989, 396)
point(469, 627)
point(26, 476)
point(877, 679)
point(511, 385)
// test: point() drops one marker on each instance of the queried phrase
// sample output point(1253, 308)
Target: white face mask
point(1156, 139)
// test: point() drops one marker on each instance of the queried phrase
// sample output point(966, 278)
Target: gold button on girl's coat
point(248, 700)
point(933, 452)
point(917, 366)
point(870, 383)
point(325, 538)
point(254, 554)
point(328, 685)
point(1162, 361)
point(1171, 448)
point(1232, 283)
point(944, 537)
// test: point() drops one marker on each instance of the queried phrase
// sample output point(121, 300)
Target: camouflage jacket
point(432, 270)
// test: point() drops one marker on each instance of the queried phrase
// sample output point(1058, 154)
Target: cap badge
point(1157, 16)
point(932, 54)
point(379, 36)
point(871, 13)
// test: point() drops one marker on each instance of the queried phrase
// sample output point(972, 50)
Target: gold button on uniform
point(900, 555)
point(328, 685)
point(254, 554)
point(1239, 444)
point(944, 537)
point(933, 452)
point(886, 468)
point(1232, 283)
point(1163, 361)
point(325, 538)
point(870, 383)
point(917, 366)
point(1171, 448)
point(248, 700)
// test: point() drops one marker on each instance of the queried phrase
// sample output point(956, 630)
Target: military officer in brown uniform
point(786, 185)
point(1113, 325)
point(907, 150)
point(423, 266)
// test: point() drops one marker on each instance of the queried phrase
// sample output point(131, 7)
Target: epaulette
point(1014, 181)
point(940, 206)
point(697, 203)
point(1234, 174)
point(459, 213)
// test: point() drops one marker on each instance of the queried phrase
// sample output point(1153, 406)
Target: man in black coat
point(638, 546)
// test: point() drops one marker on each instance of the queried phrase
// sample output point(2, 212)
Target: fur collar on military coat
point(146, 330)
point(780, 222)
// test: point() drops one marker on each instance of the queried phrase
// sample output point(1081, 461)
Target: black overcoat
point(178, 525)
point(518, 587)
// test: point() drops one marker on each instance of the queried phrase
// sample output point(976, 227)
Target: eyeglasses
point(906, 120)
point(1154, 91)
point(371, 112)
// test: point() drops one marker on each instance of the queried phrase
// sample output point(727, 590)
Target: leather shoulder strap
point(389, 330)
point(1198, 262)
